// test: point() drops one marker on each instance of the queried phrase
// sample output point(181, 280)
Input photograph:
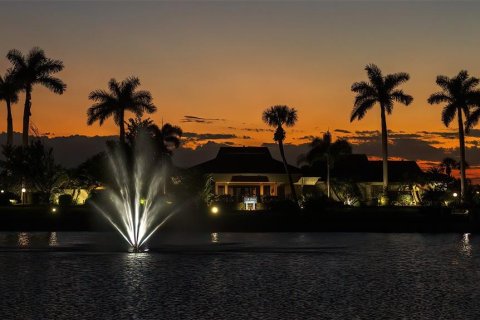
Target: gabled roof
point(357, 167)
point(243, 160)
point(398, 171)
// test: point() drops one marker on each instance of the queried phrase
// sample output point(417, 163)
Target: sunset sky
point(225, 61)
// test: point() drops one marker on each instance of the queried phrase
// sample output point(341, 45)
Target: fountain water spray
point(136, 205)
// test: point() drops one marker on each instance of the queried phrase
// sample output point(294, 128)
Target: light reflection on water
point(23, 239)
point(248, 276)
point(466, 247)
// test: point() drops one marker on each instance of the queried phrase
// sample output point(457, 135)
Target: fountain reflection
point(214, 237)
point(52, 239)
point(23, 239)
point(466, 247)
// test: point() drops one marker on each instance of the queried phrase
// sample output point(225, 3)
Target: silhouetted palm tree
point(9, 89)
point(164, 139)
point(32, 69)
point(167, 138)
point(122, 96)
point(277, 117)
point(458, 94)
point(382, 90)
point(448, 164)
point(325, 149)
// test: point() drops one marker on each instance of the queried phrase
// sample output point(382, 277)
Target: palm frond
point(394, 80)
point(374, 75)
point(402, 97)
point(361, 109)
point(16, 58)
point(448, 113)
point(439, 97)
point(472, 120)
point(54, 84)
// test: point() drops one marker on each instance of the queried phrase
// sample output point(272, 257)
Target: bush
point(65, 200)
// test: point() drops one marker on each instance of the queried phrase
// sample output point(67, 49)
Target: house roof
point(249, 179)
point(243, 160)
point(358, 168)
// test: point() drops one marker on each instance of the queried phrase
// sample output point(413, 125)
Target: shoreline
point(361, 219)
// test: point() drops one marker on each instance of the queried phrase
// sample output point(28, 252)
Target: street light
point(23, 195)
point(455, 194)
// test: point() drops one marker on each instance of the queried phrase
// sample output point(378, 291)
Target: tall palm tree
point(122, 96)
point(323, 149)
point(458, 94)
point(9, 89)
point(30, 70)
point(277, 117)
point(382, 90)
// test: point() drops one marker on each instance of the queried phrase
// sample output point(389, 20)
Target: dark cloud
point(197, 137)
point(445, 135)
point(196, 119)
point(341, 131)
point(367, 132)
point(306, 138)
point(251, 129)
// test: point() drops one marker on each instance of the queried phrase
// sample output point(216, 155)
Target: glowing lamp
point(455, 194)
point(24, 190)
point(214, 210)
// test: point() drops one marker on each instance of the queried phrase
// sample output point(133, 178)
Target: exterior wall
point(277, 181)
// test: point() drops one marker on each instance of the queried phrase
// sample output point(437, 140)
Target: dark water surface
point(241, 276)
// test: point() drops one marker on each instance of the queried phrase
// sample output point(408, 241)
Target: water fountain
point(135, 203)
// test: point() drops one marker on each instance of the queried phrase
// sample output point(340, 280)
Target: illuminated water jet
point(135, 202)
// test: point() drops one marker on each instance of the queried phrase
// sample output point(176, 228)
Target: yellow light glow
point(455, 194)
point(214, 210)
point(54, 210)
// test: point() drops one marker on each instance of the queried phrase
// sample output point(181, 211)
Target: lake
point(240, 276)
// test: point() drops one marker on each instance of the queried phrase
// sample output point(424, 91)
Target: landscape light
point(214, 210)
point(455, 194)
point(2, 191)
point(24, 190)
point(54, 209)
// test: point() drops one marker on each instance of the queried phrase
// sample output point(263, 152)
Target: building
point(248, 176)
point(365, 177)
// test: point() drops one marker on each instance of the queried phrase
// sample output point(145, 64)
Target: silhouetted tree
point(458, 94)
point(277, 117)
point(448, 164)
point(323, 149)
point(9, 89)
point(30, 70)
point(382, 90)
point(34, 164)
point(164, 139)
point(122, 96)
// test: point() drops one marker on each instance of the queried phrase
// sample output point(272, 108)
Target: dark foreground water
point(241, 276)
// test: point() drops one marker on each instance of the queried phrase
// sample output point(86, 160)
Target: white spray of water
point(136, 206)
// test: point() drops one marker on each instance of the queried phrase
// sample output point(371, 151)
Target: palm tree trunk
point(384, 153)
point(9, 123)
point(461, 137)
point(292, 187)
point(26, 115)
point(122, 126)
point(328, 176)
